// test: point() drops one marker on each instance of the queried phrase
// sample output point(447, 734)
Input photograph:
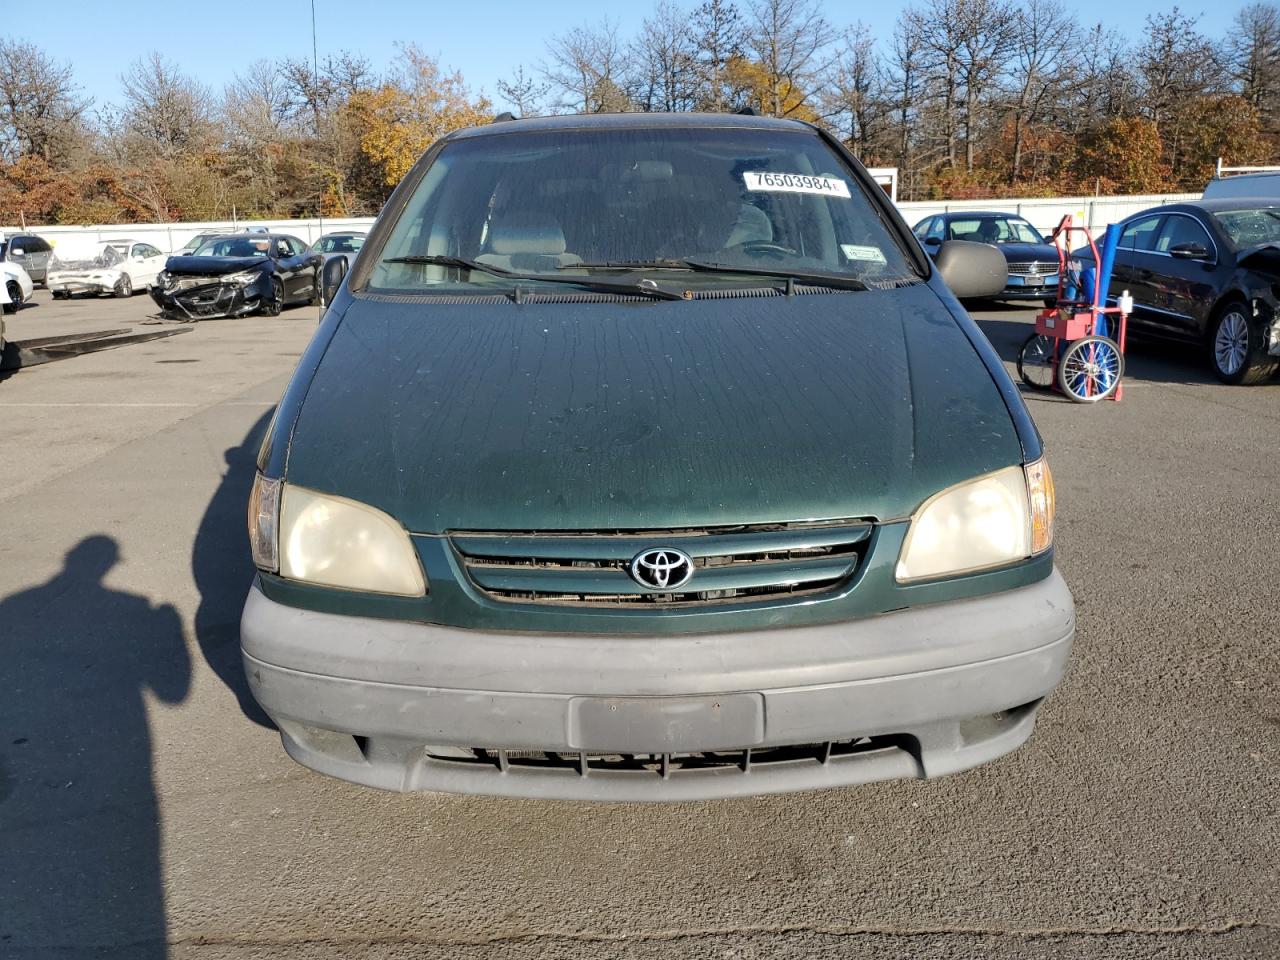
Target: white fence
point(173, 236)
point(1044, 214)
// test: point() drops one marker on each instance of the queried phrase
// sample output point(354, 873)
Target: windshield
point(1247, 228)
point(339, 243)
point(993, 230)
point(559, 204)
point(104, 256)
point(238, 246)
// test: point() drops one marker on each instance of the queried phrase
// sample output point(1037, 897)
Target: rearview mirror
point(331, 277)
point(972, 269)
point(1189, 251)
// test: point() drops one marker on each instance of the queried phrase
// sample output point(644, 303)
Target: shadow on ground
point(223, 570)
point(79, 831)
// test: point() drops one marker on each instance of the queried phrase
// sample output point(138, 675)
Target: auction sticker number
point(795, 183)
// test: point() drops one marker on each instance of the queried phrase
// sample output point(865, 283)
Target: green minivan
point(648, 457)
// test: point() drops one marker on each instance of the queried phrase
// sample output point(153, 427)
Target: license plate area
point(665, 724)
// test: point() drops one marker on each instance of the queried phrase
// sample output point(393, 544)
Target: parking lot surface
point(147, 809)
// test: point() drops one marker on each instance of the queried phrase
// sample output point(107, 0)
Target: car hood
point(595, 416)
point(212, 266)
point(1026, 252)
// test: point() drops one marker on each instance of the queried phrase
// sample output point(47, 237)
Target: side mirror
point(16, 251)
point(972, 269)
point(331, 278)
point(1189, 251)
point(933, 241)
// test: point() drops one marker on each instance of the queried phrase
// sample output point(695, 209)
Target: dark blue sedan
point(1033, 261)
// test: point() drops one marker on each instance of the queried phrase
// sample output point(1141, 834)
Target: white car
point(117, 267)
point(15, 286)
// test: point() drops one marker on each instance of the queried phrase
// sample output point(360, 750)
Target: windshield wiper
point(665, 263)
point(653, 291)
point(835, 280)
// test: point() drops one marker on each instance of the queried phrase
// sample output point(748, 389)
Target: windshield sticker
point(795, 183)
point(854, 252)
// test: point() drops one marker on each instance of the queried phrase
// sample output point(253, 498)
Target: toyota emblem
point(661, 568)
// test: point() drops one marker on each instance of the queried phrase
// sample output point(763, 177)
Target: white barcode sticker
point(795, 183)
point(853, 251)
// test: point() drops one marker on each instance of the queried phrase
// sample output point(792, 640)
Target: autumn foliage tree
point(400, 119)
point(968, 98)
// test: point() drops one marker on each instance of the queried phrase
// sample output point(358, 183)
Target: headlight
point(164, 279)
point(997, 519)
point(332, 541)
point(242, 279)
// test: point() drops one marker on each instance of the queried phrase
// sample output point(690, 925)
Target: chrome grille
point(1034, 268)
point(739, 564)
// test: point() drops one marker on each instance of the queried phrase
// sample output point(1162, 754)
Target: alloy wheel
point(1231, 343)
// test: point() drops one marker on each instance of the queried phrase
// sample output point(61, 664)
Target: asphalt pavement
point(147, 809)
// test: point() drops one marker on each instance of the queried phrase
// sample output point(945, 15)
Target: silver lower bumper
point(402, 706)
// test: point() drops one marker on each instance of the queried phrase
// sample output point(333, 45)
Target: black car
point(1207, 272)
point(30, 252)
point(236, 275)
point(1033, 261)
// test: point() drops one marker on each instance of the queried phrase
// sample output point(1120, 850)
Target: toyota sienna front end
point(647, 457)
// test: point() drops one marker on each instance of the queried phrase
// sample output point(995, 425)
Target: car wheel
point(124, 286)
point(15, 296)
point(1235, 347)
point(273, 306)
point(59, 294)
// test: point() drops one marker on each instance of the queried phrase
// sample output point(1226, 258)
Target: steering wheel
point(766, 247)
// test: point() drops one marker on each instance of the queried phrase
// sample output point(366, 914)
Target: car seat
point(530, 243)
point(987, 232)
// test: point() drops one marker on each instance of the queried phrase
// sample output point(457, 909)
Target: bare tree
point(40, 104)
point(1253, 47)
point(855, 98)
point(1045, 36)
point(165, 113)
point(662, 61)
point(985, 34)
point(905, 88)
point(1179, 66)
point(718, 36)
point(587, 67)
point(523, 92)
point(791, 40)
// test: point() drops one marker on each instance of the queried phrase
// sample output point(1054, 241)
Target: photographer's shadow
point(79, 821)
point(223, 571)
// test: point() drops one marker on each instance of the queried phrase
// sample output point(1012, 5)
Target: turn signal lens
point(264, 523)
point(1043, 497)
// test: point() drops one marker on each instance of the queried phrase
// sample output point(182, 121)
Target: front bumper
point(411, 706)
point(210, 301)
point(1029, 290)
point(73, 287)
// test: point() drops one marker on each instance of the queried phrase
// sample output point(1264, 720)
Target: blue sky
point(485, 40)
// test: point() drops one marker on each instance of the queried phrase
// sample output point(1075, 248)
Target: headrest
point(529, 236)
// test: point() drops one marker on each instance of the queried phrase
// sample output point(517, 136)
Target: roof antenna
point(747, 111)
point(505, 117)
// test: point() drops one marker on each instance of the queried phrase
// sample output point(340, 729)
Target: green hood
point(625, 416)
